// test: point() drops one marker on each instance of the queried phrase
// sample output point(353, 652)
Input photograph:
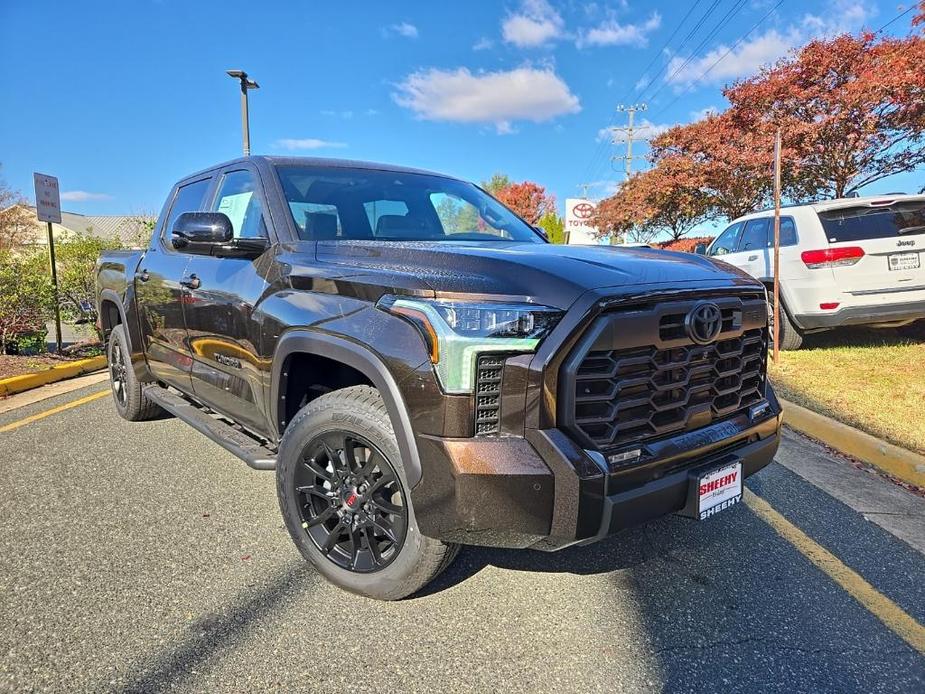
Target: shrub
point(686, 245)
point(76, 259)
point(25, 297)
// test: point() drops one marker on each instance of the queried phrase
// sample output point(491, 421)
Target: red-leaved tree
point(851, 108)
point(529, 200)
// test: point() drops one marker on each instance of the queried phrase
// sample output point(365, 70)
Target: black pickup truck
point(423, 370)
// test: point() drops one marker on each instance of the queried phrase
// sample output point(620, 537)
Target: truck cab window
point(188, 199)
point(237, 199)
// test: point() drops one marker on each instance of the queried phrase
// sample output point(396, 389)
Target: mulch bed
point(17, 365)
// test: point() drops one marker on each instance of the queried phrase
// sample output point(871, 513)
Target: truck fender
point(364, 361)
point(139, 362)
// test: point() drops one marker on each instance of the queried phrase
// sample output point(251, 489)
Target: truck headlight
point(455, 332)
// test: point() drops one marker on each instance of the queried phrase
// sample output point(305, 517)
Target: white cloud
point(483, 44)
point(347, 115)
point(83, 196)
point(308, 143)
point(536, 22)
point(723, 64)
point(610, 32)
point(409, 31)
point(491, 97)
point(746, 59)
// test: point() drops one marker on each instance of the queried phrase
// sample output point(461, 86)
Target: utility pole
point(630, 130)
point(246, 84)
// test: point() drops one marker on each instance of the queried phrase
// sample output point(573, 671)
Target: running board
point(233, 440)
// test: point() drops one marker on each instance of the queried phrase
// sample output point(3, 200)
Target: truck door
point(160, 294)
point(229, 370)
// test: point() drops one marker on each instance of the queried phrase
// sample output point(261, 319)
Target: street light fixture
point(246, 83)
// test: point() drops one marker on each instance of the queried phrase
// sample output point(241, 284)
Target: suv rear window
point(860, 223)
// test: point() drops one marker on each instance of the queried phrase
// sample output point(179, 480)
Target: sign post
point(48, 210)
point(776, 337)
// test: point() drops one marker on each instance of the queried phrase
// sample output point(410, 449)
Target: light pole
point(246, 83)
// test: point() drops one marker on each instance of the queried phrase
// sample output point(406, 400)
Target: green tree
point(25, 295)
point(496, 183)
point(554, 226)
point(76, 261)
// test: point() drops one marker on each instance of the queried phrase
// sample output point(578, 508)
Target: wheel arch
point(356, 357)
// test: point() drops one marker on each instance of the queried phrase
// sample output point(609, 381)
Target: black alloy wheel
point(118, 375)
point(350, 501)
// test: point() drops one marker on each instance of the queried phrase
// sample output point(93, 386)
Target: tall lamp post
point(246, 84)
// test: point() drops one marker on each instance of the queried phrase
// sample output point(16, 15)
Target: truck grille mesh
point(642, 393)
point(489, 369)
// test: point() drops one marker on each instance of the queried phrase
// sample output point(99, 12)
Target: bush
point(29, 343)
point(76, 260)
point(686, 245)
point(25, 298)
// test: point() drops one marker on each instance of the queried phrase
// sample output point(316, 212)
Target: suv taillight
point(832, 257)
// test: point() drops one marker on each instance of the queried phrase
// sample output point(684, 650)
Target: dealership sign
point(578, 212)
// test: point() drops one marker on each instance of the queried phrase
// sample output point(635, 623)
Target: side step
point(241, 444)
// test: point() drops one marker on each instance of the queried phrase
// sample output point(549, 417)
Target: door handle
point(191, 282)
point(143, 275)
point(753, 257)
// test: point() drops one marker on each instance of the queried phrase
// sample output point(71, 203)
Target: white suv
point(852, 261)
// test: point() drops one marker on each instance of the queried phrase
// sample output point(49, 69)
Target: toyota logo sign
point(703, 323)
point(583, 210)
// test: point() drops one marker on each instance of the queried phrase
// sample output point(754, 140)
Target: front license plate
point(903, 261)
point(719, 489)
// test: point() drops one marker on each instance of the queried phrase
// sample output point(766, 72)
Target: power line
point(599, 155)
point(723, 56)
point(683, 43)
point(897, 17)
point(734, 10)
point(736, 7)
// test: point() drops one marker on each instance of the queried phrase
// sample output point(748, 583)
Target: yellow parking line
point(54, 410)
point(878, 604)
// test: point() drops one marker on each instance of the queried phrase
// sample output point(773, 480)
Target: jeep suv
point(423, 370)
point(853, 261)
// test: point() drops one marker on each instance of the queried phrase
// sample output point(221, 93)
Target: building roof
point(128, 229)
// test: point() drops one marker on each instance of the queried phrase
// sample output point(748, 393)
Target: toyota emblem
point(703, 323)
point(583, 210)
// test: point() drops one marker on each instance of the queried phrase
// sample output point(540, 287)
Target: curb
point(17, 384)
point(894, 460)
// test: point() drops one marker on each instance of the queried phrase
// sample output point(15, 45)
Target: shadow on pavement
point(623, 551)
point(212, 633)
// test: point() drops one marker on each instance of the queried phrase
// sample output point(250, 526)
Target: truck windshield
point(371, 204)
point(861, 223)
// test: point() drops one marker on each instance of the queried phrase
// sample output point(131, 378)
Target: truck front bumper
point(544, 491)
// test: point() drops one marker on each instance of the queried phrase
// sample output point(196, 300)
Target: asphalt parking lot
point(142, 557)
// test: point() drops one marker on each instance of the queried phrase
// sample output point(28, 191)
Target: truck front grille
point(621, 388)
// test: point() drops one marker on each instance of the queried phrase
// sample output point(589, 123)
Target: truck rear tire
point(127, 391)
point(344, 496)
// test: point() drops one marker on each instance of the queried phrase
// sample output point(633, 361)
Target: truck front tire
point(127, 391)
point(345, 499)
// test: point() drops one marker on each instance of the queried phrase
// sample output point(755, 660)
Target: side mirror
point(197, 232)
point(700, 249)
point(541, 231)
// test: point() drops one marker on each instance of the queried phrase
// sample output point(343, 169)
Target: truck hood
point(548, 274)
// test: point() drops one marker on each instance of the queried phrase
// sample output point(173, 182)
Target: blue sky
point(119, 99)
